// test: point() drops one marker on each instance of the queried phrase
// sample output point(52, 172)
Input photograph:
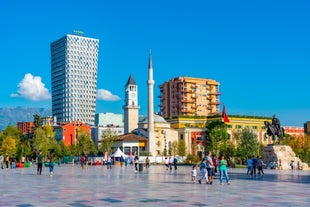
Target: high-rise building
point(74, 66)
point(188, 96)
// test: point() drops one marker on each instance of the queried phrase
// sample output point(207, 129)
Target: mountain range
point(10, 116)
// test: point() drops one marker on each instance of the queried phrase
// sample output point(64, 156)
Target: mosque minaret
point(150, 130)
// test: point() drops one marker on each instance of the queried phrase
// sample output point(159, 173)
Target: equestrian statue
point(274, 128)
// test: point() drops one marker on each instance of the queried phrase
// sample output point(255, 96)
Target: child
point(194, 173)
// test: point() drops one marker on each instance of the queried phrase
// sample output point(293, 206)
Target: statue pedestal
point(281, 154)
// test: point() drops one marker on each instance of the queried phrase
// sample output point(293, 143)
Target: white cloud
point(106, 95)
point(32, 88)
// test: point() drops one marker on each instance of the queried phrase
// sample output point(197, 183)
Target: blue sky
point(259, 51)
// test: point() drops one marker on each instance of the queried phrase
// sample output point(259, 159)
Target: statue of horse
point(274, 128)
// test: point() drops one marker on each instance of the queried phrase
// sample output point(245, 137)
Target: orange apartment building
point(25, 127)
point(188, 96)
point(68, 132)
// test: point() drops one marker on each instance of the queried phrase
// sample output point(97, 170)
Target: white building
point(109, 119)
point(97, 131)
point(74, 66)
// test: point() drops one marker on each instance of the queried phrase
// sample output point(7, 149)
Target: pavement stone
point(156, 186)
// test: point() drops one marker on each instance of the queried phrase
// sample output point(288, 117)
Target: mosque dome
point(157, 119)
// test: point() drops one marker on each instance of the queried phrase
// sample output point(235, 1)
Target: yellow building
point(187, 96)
point(255, 123)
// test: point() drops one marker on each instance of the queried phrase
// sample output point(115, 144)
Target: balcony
point(215, 103)
point(187, 101)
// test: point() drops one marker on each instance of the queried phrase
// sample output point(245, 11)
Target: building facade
point(109, 120)
point(131, 107)
point(25, 128)
point(188, 96)
point(294, 130)
point(74, 66)
point(68, 132)
point(98, 131)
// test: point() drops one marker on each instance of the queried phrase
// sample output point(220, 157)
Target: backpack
point(175, 160)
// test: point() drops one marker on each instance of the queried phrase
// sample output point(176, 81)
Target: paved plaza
point(122, 186)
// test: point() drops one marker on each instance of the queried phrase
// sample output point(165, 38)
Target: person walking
point(51, 163)
point(210, 168)
point(203, 171)
point(13, 162)
point(39, 163)
point(136, 160)
point(1, 161)
point(147, 162)
point(194, 173)
point(109, 163)
point(260, 165)
point(249, 165)
point(223, 170)
point(254, 165)
point(175, 163)
point(7, 160)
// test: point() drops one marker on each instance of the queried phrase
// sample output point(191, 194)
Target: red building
point(68, 132)
point(294, 131)
point(25, 127)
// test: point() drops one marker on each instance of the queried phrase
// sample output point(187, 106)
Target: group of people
point(207, 169)
point(171, 161)
point(40, 161)
point(7, 161)
point(253, 164)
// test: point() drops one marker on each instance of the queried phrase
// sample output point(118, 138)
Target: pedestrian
point(260, 165)
point(223, 170)
point(147, 162)
point(280, 165)
point(82, 161)
point(254, 165)
point(7, 160)
point(210, 168)
point(249, 165)
point(39, 163)
point(167, 163)
point(170, 162)
point(13, 162)
point(1, 161)
point(109, 163)
point(51, 163)
point(203, 171)
point(194, 173)
point(175, 163)
point(292, 165)
point(136, 160)
point(59, 162)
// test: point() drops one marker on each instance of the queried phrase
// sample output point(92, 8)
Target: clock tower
point(131, 107)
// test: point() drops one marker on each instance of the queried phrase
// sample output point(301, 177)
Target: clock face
point(132, 95)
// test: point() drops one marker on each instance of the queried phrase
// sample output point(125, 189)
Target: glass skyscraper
point(74, 69)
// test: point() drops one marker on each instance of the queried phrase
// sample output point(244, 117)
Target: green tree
point(37, 121)
point(247, 143)
point(8, 146)
point(174, 148)
point(108, 138)
point(44, 140)
point(181, 148)
point(13, 132)
point(84, 144)
point(210, 126)
point(220, 142)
